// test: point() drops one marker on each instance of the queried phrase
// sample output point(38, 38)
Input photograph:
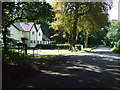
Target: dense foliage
point(112, 36)
point(113, 31)
point(73, 17)
point(96, 37)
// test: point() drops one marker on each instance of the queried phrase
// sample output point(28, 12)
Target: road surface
point(98, 69)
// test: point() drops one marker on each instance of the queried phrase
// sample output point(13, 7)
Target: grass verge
point(18, 68)
point(54, 51)
point(115, 50)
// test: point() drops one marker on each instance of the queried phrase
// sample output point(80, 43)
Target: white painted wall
point(46, 42)
point(15, 33)
point(26, 35)
point(39, 38)
point(33, 37)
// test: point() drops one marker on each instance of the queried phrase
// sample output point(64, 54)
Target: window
point(34, 41)
point(39, 34)
point(33, 33)
point(31, 41)
point(37, 42)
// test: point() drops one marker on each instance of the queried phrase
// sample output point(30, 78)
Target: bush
point(63, 46)
point(46, 46)
point(56, 46)
point(53, 42)
point(117, 49)
point(118, 45)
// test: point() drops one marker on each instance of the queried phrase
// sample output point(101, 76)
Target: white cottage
point(28, 33)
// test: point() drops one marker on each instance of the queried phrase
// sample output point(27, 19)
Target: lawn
point(53, 51)
point(43, 51)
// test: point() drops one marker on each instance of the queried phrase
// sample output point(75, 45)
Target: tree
point(113, 34)
point(24, 11)
point(72, 17)
point(91, 27)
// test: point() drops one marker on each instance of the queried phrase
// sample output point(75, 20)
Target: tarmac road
point(98, 69)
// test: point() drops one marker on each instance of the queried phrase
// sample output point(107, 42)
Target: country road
point(98, 69)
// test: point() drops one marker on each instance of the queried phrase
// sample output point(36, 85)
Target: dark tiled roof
point(45, 38)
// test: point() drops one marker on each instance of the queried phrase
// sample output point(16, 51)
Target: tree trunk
point(86, 40)
point(5, 38)
point(74, 31)
point(72, 45)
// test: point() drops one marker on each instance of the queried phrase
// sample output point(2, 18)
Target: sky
point(113, 13)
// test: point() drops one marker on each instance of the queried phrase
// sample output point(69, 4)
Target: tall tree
point(28, 11)
point(113, 34)
point(72, 17)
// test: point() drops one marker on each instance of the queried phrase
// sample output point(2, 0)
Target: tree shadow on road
point(84, 71)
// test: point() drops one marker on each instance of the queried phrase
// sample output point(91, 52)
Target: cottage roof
point(17, 25)
point(45, 38)
point(26, 26)
point(38, 26)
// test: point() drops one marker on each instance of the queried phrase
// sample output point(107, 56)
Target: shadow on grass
point(16, 69)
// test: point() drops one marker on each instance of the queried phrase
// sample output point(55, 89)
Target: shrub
point(118, 45)
point(63, 46)
point(117, 49)
point(56, 46)
point(53, 42)
point(46, 46)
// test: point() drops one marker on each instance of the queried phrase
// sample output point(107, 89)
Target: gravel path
point(98, 69)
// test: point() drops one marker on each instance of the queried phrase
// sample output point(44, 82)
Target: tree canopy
point(114, 31)
point(73, 17)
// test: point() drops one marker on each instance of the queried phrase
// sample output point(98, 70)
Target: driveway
point(98, 69)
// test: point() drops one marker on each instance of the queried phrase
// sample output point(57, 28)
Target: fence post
point(37, 51)
point(26, 49)
point(40, 48)
point(18, 50)
point(81, 47)
point(58, 48)
point(23, 52)
point(33, 52)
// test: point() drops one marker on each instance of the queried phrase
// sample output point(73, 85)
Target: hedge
point(56, 46)
point(117, 44)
